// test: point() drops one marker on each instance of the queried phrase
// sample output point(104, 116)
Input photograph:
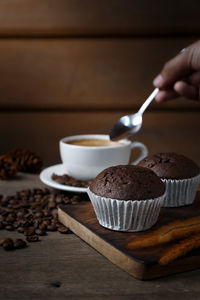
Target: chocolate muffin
point(180, 174)
point(127, 198)
point(171, 165)
point(128, 183)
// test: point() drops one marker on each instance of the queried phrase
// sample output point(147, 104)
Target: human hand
point(180, 76)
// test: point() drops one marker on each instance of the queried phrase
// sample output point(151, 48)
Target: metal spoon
point(130, 124)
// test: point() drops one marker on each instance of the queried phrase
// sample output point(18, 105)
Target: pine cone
point(7, 167)
point(26, 160)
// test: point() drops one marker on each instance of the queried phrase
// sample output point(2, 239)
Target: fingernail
point(158, 81)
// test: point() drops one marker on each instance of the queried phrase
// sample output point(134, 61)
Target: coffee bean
point(51, 227)
point(8, 245)
point(16, 206)
point(47, 213)
point(36, 223)
point(75, 199)
point(54, 220)
point(19, 243)
point(4, 213)
point(68, 180)
point(28, 216)
point(12, 201)
point(26, 223)
point(39, 214)
point(33, 212)
point(63, 229)
point(32, 238)
point(24, 193)
point(42, 226)
point(24, 204)
point(9, 227)
point(4, 240)
point(58, 200)
point(45, 223)
point(54, 213)
point(40, 231)
point(29, 231)
point(20, 229)
point(20, 214)
point(12, 215)
point(10, 219)
point(51, 205)
point(4, 201)
point(67, 201)
point(16, 224)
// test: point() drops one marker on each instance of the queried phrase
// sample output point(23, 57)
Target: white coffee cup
point(86, 162)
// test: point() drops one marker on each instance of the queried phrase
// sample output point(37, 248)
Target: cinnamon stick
point(173, 231)
point(179, 249)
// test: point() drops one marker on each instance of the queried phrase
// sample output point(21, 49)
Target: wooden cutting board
point(142, 264)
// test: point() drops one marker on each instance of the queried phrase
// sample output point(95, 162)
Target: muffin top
point(171, 165)
point(127, 182)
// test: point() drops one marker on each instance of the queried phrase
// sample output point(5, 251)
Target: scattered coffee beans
point(4, 240)
point(68, 180)
point(32, 238)
point(33, 213)
point(19, 244)
point(8, 244)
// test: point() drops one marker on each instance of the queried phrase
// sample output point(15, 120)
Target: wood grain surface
point(69, 67)
point(112, 74)
point(93, 17)
point(141, 263)
point(41, 132)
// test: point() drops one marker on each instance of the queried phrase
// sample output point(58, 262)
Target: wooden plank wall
point(72, 66)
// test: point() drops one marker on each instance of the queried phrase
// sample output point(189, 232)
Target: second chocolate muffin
point(180, 174)
point(171, 165)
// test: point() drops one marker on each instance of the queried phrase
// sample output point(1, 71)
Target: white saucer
point(45, 177)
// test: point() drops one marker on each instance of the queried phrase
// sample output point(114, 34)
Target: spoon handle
point(148, 101)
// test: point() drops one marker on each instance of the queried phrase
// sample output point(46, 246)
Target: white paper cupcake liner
point(180, 192)
point(131, 215)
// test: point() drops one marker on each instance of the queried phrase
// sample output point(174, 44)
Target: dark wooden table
point(65, 267)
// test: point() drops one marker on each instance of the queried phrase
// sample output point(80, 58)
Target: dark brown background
point(71, 67)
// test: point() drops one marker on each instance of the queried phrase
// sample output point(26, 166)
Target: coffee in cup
point(85, 156)
point(93, 143)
